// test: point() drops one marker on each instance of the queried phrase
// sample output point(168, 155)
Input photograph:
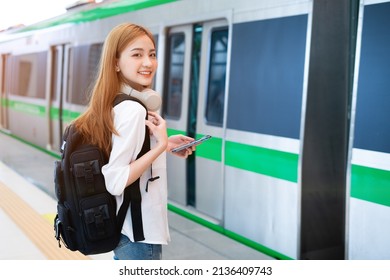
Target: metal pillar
point(325, 140)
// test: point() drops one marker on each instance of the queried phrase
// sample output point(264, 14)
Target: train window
point(93, 60)
point(175, 71)
point(29, 75)
point(217, 75)
point(84, 61)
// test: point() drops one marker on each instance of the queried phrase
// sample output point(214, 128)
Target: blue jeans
point(127, 250)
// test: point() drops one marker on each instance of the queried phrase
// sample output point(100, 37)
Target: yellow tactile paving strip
point(35, 226)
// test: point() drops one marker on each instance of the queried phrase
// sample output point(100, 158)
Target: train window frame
point(219, 86)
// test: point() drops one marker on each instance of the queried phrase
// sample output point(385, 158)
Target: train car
point(239, 71)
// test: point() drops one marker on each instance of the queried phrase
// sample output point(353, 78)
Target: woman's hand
point(157, 127)
point(179, 140)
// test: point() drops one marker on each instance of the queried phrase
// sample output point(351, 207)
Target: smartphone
point(195, 142)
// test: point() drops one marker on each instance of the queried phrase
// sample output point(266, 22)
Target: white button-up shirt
point(129, 121)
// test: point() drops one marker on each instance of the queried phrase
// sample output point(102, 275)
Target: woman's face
point(138, 63)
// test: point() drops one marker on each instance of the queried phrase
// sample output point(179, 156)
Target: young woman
point(129, 61)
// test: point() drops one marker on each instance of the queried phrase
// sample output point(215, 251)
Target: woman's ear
point(117, 69)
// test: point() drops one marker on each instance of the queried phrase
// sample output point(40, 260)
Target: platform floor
point(27, 208)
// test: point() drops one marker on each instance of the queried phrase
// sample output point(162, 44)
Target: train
point(298, 165)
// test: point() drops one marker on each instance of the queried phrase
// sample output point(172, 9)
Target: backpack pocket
point(59, 181)
point(86, 168)
point(63, 227)
point(99, 216)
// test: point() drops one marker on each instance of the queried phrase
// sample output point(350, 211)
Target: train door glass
point(174, 85)
point(194, 94)
point(215, 103)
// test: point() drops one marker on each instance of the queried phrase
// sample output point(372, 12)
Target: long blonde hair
point(96, 123)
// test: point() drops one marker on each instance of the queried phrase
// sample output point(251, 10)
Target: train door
point(67, 106)
point(56, 92)
point(5, 75)
point(194, 105)
point(176, 92)
point(210, 119)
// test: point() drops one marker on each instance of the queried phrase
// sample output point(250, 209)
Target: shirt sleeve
point(129, 122)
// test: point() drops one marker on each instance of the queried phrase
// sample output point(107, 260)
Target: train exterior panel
point(237, 70)
point(370, 154)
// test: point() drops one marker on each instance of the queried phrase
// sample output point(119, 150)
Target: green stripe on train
point(39, 110)
point(371, 184)
point(274, 163)
point(28, 108)
point(100, 12)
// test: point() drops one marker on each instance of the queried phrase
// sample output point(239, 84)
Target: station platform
point(28, 207)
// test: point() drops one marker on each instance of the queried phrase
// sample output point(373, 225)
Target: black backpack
point(86, 219)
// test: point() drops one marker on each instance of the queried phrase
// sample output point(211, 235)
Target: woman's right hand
point(158, 127)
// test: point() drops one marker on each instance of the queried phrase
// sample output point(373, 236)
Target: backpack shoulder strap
point(132, 194)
